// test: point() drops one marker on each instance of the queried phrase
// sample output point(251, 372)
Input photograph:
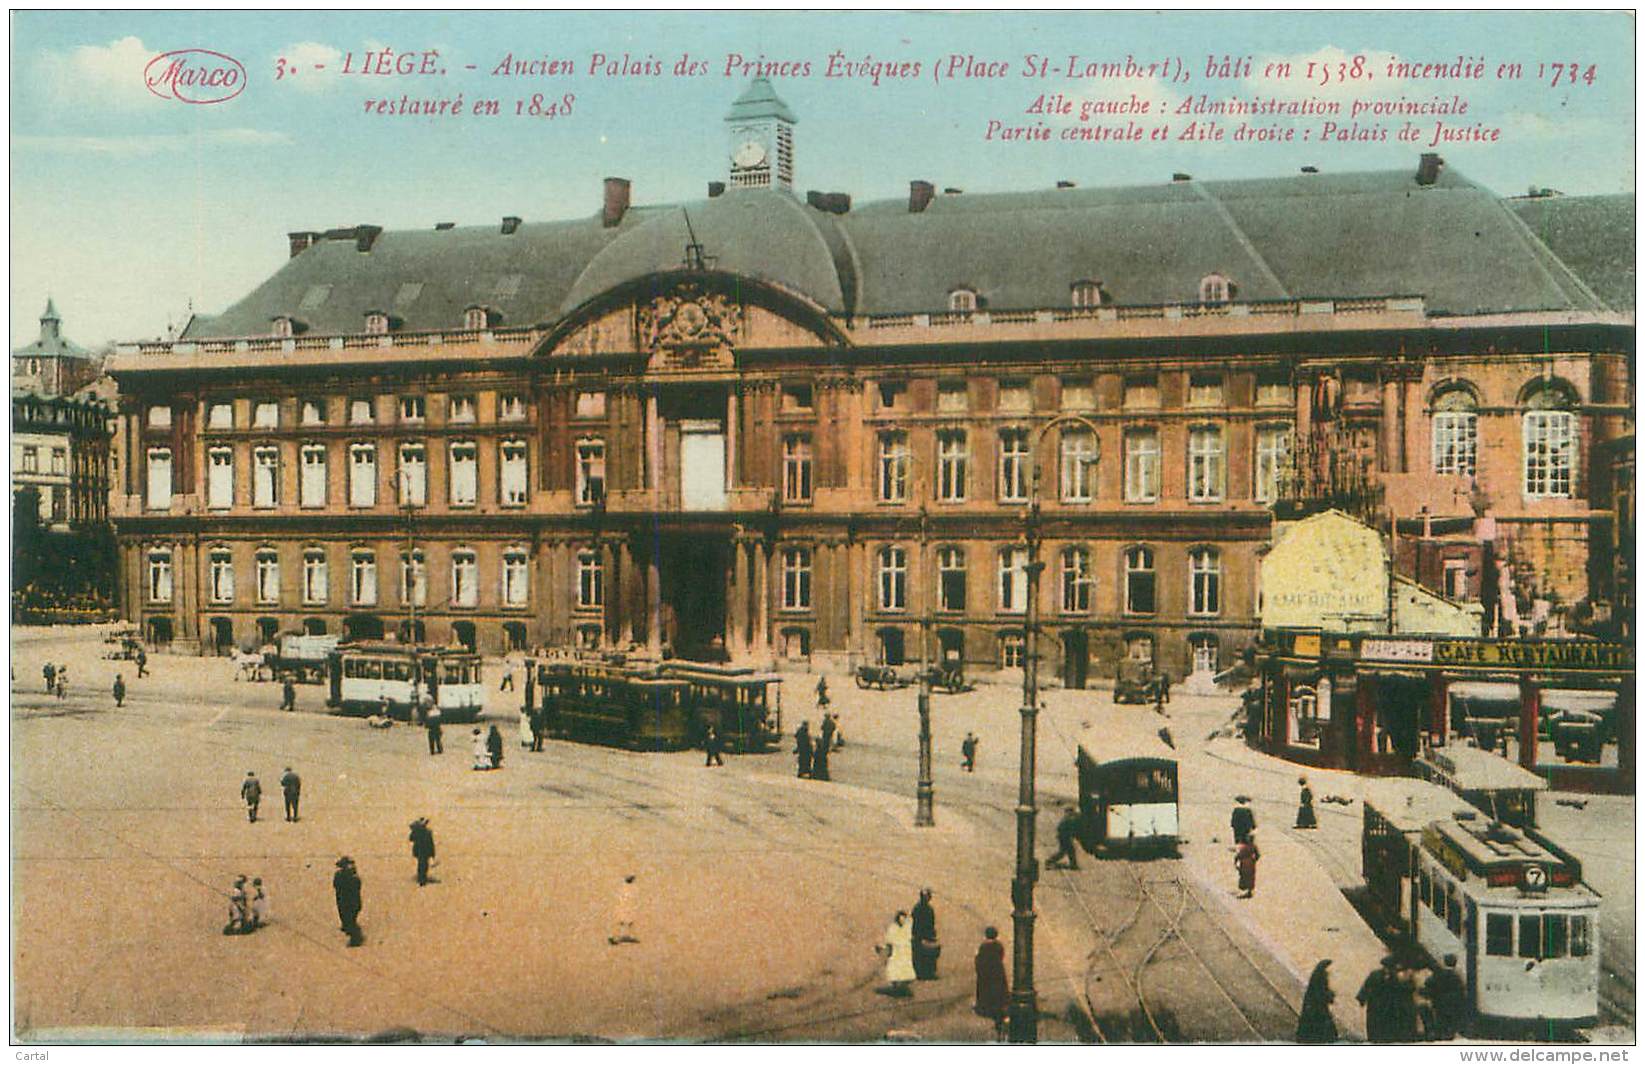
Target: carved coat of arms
point(690, 326)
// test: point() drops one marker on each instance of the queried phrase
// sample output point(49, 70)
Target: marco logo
point(195, 76)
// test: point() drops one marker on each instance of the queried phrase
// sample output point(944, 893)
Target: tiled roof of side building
point(1593, 235)
point(1308, 236)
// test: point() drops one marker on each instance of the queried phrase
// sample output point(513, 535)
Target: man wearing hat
point(1380, 995)
point(291, 785)
point(251, 790)
point(926, 947)
point(345, 884)
point(422, 847)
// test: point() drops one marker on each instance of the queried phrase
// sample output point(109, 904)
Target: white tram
point(1508, 902)
point(363, 674)
point(1128, 783)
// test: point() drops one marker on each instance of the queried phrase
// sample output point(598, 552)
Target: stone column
point(762, 608)
point(1393, 445)
point(731, 438)
point(736, 639)
point(1530, 706)
point(653, 445)
point(653, 606)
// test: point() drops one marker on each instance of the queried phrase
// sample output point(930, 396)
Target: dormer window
point(476, 318)
point(1088, 294)
point(376, 323)
point(284, 327)
point(1214, 288)
point(962, 301)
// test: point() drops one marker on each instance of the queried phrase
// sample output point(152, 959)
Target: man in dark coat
point(288, 696)
point(292, 786)
point(422, 847)
point(713, 745)
point(119, 690)
point(345, 884)
point(926, 947)
point(251, 790)
point(49, 672)
point(1068, 830)
point(828, 727)
point(142, 662)
point(819, 759)
point(1380, 995)
point(1447, 1001)
point(494, 745)
point(968, 751)
point(538, 725)
point(1243, 820)
point(436, 743)
point(802, 747)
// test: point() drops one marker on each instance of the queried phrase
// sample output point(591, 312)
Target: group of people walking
point(1399, 1007)
point(812, 752)
point(911, 951)
point(488, 749)
point(291, 788)
point(248, 908)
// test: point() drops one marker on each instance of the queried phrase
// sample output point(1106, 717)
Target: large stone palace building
point(773, 425)
point(59, 429)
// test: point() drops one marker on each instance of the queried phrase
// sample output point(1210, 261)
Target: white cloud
point(100, 76)
point(303, 57)
point(1328, 63)
point(135, 144)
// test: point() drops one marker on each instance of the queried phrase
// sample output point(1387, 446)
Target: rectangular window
point(220, 478)
point(464, 473)
point(1079, 466)
point(516, 579)
point(797, 397)
point(413, 474)
point(1204, 581)
point(1014, 580)
point(1013, 466)
point(1555, 931)
point(1453, 914)
point(1549, 453)
point(1205, 464)
point(265, 415)
point(590, 405)
point(220, 416)
point(265, 476)
point(159, 587)
point(797, 469)
point(462, 410)
point(31, 459)
point(796, 565)
point(221, 577)
point(313, 412)
point(1139, 580)
point(363, 567)
point(59, 460)
point(1142, 390)
point(465, 579)
point(590, 580)
point(1580, 941)
point(512, 478)
point(893, 582)
point(1011, 651)
point(893, 395)
point(590, 472)
point(362, 475)
point(952, 458)
point(413, 408)
point(1273, 462)
point(361, 411)
point(1499, 935)
point(1455, 581)
point(159, 478)
point(268, 577)
point(511, 407)
point(1205, 390)
point(1273, 390)
point(1142, 466)
point(951, 579)
point(312, 486)
point(1456, 442)
point(1077, 394)
point(159, 417)
point(315, 578)
point(413, 578)
point(893, 467)
point(1015, 396)
point(1076, 581)
point(952, 397)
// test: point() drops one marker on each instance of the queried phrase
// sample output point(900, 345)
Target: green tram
point(660, 707)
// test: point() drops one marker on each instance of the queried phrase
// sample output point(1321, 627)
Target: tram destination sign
point(1590, 655)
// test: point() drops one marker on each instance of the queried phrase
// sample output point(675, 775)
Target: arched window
point(222, 576)
point(1549, 438)
point(1079, 466)
point(465, 579)
point(1014, 580)
point(1076, 580)
point(516, 577)
point(1456, 432)
point(962, 300)
point(1087, 294)
point(283, 326)
point(268, 576)
point(1215, 288)
point(315, 576)
point(475, 318)
point(1204, 581)
point(1139, 580)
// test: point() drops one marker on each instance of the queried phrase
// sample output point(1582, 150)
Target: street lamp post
point(1024, 1011)
point(925, 791)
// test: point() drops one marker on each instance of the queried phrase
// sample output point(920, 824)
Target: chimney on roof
point(616, 201)
point(831, 202)
point(919, 195)
point(510, 224)
point(1428, 168)
point(441, 227)
point(365, 236)
point(1065, 184)
point(301, 240)
point(716, 188)
point(1180, 176)
point(1310, 170)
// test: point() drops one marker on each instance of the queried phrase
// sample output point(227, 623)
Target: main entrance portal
point(692, 581)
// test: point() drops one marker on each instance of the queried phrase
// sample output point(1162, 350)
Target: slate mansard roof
point(1308, 236)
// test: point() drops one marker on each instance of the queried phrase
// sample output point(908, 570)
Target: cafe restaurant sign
point(1535, 654)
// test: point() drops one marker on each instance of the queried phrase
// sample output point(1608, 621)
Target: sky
point(129, 208)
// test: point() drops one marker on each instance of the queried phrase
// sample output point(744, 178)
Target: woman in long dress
point(1315, 1024)
point(1305, 806)
point(993, 989)
point(494, 746)
point(525, 727)
point(482, 755)
point(899, 954)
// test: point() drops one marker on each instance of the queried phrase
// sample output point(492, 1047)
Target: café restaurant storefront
point(1374, 703)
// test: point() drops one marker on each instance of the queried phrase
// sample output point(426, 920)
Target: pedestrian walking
point(1243, 820)
point(713, 745)
point(345, 885)
point(1305, 806)
point(839, 733)
point(494, 745)
point(968, 752)
point(482, 755)
point(507, 683)
point(1246, 856)
point(239, 909)
point(142, 663)
point(119, 690)
point(622, 915)
point(1385, 997)
point(897, 948)
point(422, 847)
point(259, 903)
point(539, 727)
point(62, 682)
point(431, 722)
point(251, 790)
point(525, 727)
point(926, 946)
point(993, 988)
point(826, 737)
point(530, 684)
point(49, 672)
point(822, 693)
point(1315, 1023)
point(1068, 830)
point(288, 695)
point(1446, 1002)
point(803, 748)
point(291, 786)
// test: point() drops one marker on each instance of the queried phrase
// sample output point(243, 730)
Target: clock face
point(749, 154)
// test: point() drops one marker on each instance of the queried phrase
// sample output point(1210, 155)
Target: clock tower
point(761, 138)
